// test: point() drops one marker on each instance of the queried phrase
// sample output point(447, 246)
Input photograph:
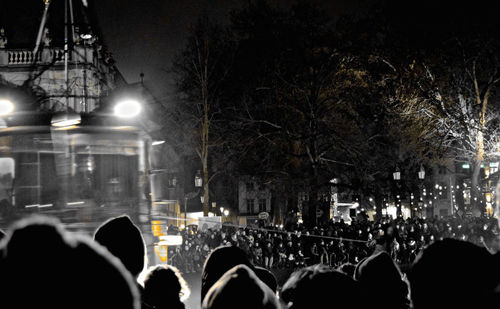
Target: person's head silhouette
point(62, 270)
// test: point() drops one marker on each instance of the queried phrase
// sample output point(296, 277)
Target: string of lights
point(269, 230)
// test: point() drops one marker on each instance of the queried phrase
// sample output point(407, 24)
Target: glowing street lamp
point(198, 181)
point(421, 176)
point(397, 177)
point(225, 213)
point(127, 108)
point(6, 107)
point(397, 174)
point(421, 173)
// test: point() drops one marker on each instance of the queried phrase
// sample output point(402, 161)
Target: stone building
point(253, 198)
point(74, 80)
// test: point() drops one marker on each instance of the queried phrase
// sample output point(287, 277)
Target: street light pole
point(198, 182)
point(397, 176)
point(185, 210)
point(421, 176)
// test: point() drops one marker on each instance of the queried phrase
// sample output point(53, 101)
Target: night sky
point(145, 35)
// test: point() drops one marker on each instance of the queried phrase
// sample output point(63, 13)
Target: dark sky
point(144, 35)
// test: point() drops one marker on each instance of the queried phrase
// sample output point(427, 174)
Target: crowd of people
point(44, 266)
point(332, 244)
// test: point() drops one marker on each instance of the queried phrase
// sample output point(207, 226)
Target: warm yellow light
point(488, 197)
point(6, 107)
point(489, 209)
point(63, 128)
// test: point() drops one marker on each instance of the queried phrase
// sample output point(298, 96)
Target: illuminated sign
point(158, 229)
point(170, 240)
point(162, 252)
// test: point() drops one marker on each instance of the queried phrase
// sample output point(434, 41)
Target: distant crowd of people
point(44, 266)
point(332, 244)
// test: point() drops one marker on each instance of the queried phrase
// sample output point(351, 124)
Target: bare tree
point(452, 102)
point(201, 69)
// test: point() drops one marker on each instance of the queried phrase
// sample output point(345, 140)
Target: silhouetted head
point(348, 269)
point(45, 267)
point(124, 240)
point(267, 277)
point(454, 274)
point(240, 288)
point(315, 286)
point(218, 263)
point(164, 287)
point(378, 274)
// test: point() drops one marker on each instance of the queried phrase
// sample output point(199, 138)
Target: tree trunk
point(206, 194)
point(475, 184)
point(476, 171)
point(313, 198)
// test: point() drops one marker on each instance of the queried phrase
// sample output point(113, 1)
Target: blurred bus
point(81, 175)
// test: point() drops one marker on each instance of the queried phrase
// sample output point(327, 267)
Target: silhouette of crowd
point(44, 266)
point(332, 244)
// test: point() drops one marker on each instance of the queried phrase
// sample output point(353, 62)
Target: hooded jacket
point(124, 240)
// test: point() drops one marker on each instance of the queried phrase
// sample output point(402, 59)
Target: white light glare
point(127, 109)
point(157, 143)
point(6, 107)
point(64, 120)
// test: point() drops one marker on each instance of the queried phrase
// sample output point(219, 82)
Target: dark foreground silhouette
point(43, 266)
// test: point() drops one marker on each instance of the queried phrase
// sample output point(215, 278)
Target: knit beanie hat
point(218, 263)
point(240, 288)
point(124, 240)
point(314, 286)
point(43, 266)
